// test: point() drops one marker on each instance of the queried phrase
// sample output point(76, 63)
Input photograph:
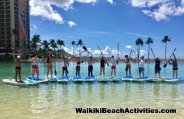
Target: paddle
point(88, 51)
point(165, 65)
point(103, 56)
point(55, 72)
point(118, 53)
point(130, 53)
point(153, 53)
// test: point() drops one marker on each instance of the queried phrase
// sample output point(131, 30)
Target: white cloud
point(128, 47)
point(110, 1)
point(160, 9)
point(142, 52)
point(33, 27)
point(71, 23)
point(44, 8)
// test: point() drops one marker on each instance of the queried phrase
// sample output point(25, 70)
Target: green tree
point(34, 41)
point(139, 42)
point(53, 45)
point(73, 44)
point(80, 44)
point(165, 40)
point(45, 45)
point(149, 41)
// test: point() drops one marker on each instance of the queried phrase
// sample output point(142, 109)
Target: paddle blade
point(165, 65)
point(55, 72)
point(84, 48)
point(107, 64)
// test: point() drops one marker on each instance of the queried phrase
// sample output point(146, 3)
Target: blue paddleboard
point(145, 78)
point(40, 80)
point(173, 80)
point(114, 79)
point(63, 79)
point(90, 79)
point(102, 79)
point(78, 79)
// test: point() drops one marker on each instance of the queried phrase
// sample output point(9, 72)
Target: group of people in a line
point(90, 60)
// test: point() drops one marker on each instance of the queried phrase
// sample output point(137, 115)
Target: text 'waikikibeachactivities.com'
point(123, 110)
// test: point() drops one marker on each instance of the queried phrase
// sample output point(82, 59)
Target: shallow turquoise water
point(56, 101)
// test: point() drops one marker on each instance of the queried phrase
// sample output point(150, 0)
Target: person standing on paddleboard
point(78, 62)
point(141, 66)
point(17, 67)
point(102, 66)
point(90, 67)
point(49, 61)
point(35, 68)
point(128, 66)
point(113, 66)
point(157, 67)
point(65, 67)
point(174, 64)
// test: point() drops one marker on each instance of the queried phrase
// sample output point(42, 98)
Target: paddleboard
point(51, 79)
point(155, 79)
point(90, 79)
point(102, 79)
point(145, 78)
point(63, 79)
point(23, 83)
point(78, 79)
point(173, 80)
point(127, 78)
point(114, 79)
point(36, 79)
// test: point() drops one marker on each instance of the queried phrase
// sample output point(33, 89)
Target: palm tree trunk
point(73, 50)
point(148, 51)
point(165, 50)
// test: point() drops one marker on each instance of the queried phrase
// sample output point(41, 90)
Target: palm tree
point(165, 40)
point(80, 43)
point(45, 45)
point(139, 42)
point(53, 45)
point(34, 41)
point(73, 44)
point(60, 43)
point(148, 42)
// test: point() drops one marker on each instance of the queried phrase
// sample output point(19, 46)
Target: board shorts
point(175, 68)
point(157, 69)
point(18, 68)
point(35, 69)
point(65, 69)
point(113, 67)
point(141, 69)
point(49, 66)
point(128, 67)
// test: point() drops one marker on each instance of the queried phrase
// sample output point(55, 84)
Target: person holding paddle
point(141, 66)
point(35, 68)
point(128, 66)
point(49, 61)
point(65, 67)
point(102, 66)
point(17, 67)
point(78, 62)
point(157, 67)
point(113, 66)
point(174, 64)
point(90, 66)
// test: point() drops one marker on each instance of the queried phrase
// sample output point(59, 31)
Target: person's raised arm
point(14, 56)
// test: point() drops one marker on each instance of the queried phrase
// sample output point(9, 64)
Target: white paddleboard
point(36, 79)
point(173, 80)
point(138, 79)
point(23, 83)
point(102, 79)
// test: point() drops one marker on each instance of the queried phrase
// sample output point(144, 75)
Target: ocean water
point(58, 101)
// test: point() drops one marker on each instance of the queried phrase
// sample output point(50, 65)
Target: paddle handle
point(153, 53)
point(171, 55)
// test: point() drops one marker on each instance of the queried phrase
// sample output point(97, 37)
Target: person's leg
point(20, 74)
point(33, 71)
point(139, 72)
point(16, 73)
point(91, 70)
point(103, 69)
point(100, 70)
point(130, 73)
point(37, 72)
point(115, 72)
point(51, 71)
point(66, 72)
point(176, 73)
point(79, 71)
point(76, 69)
point(47, 72)
point(173, 74)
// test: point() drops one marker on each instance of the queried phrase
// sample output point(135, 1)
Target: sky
point(104, 23)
